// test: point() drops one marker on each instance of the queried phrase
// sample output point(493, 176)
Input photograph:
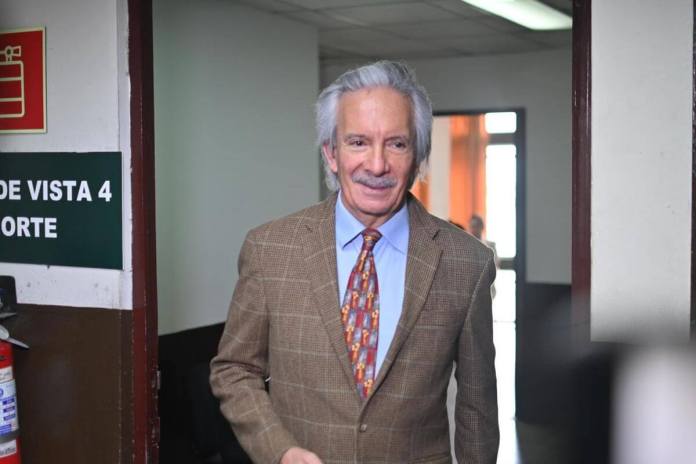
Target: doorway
point(476, 181)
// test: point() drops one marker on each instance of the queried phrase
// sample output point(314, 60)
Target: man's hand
point(299, 456)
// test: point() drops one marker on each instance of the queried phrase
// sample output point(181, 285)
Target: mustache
point(372, 181)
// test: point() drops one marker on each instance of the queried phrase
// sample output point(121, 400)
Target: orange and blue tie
point(360, 315)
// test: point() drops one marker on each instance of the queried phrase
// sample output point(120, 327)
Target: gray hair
point(391, 74)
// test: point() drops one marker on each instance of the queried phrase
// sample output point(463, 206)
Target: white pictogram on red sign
point(11, 82)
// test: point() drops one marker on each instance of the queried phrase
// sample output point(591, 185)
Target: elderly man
point(354, 311)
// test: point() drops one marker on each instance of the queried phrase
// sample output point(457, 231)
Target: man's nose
point(377, 161)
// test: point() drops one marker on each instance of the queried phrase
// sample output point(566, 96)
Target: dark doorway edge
point(145, 414)
point(582, 103)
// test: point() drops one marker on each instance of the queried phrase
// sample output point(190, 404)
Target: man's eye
point(399, 145)
point(356, 143)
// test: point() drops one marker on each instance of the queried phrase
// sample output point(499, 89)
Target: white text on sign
point(44, 190)
point(53, 190)
point(36, 227)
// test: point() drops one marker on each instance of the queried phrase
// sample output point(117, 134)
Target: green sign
point(61, 209)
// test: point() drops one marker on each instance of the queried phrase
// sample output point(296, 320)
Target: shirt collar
point(395, 230)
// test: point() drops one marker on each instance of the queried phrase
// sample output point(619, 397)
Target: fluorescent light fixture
point(528, 13)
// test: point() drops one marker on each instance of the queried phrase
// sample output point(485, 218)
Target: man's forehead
point(374, 104)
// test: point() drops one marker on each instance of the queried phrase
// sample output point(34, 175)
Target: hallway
point(520, 443)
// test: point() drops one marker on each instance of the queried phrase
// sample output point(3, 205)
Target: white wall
point(87, 106)
point(641, 168)
point(540, 83)
point(234, 89)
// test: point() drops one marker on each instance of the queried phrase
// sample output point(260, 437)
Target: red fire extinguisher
point(9, 423)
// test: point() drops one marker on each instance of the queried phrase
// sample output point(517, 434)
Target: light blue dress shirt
point(390, 260)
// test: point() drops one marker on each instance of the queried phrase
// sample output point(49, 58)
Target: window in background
point(501, 172)
point(501, 123)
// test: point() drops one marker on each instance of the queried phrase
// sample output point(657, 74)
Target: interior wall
point(439, 168)
point(642, 96)
point(541, 83)
point(87, 106)
point(75, 382)
point(234, 130)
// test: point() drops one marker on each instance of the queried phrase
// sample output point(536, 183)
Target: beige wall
point(234, 130)
point(439, 169)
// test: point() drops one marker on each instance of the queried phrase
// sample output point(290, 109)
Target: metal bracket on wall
point(8, 297)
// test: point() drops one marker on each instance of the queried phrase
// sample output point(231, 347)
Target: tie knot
point(370, 238)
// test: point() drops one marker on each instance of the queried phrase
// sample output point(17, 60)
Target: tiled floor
point(504, 338)
point(504, 327)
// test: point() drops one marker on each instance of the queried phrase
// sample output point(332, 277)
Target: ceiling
point(352, 30)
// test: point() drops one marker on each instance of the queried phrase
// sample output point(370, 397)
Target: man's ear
point(330, 157)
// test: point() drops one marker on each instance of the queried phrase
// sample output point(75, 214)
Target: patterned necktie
point(360, 314)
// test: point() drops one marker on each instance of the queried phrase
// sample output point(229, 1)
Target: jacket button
point(363, 427)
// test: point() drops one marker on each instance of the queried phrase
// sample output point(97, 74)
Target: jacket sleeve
point(476, 408)
point(241, 365)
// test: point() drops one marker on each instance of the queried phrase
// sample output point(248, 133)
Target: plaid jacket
point(284, 325)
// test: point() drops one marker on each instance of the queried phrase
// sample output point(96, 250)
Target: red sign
point(22, 81)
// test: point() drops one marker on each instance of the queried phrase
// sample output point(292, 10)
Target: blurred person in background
point(476, 227)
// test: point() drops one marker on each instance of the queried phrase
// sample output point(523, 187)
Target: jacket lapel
point(320, 259)
point(421, 264)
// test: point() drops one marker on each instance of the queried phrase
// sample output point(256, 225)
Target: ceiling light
point(528, 13)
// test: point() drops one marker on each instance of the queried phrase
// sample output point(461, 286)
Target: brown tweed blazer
point(284, 326)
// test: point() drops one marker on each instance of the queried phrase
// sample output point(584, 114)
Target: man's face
point(373, 158)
